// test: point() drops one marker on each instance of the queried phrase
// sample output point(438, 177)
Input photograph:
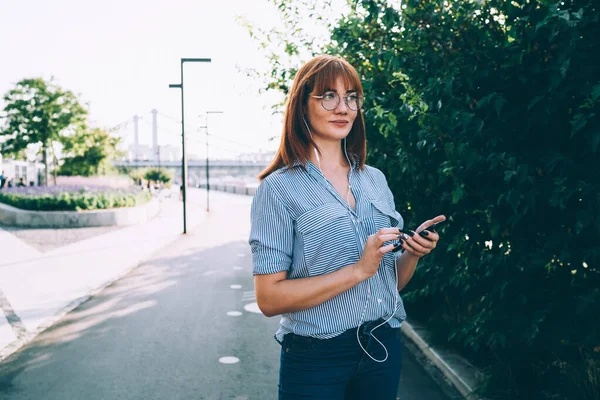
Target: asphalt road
point(160, 332)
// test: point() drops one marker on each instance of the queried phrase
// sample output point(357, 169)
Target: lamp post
point(183, 160)
point(207, 166)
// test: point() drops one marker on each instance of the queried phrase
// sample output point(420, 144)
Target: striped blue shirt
point(300, 224)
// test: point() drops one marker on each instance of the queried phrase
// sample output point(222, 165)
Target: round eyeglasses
point(330, 100)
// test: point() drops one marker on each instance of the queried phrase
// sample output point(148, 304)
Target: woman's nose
point(342, 107)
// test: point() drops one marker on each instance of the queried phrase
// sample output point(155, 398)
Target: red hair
point(319, 74)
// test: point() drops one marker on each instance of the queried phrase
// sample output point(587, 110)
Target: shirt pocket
point(384, 216)
point(329, 239)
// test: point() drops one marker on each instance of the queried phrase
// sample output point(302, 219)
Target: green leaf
point(393, 119)
point(577, 124)
point(457, 194)
point(565, 67)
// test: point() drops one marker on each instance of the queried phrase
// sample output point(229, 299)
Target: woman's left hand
point(422, 241)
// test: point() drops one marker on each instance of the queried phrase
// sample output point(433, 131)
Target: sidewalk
point(37, 289)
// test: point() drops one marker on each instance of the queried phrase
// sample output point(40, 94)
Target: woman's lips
point(340, 123)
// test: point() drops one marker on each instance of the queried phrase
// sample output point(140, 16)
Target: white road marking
point(253, 308)
point(235, 286)
point(229, 360)
point(234, 313)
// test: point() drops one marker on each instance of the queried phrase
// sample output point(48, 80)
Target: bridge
point(218, 169)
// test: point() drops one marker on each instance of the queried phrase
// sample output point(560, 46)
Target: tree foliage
point(36, 114)
point(157, 175)
point(487, 111)
point(89, 152)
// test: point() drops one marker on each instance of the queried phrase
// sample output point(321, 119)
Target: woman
point(322, 239)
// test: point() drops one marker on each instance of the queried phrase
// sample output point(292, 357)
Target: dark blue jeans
point(338, 369)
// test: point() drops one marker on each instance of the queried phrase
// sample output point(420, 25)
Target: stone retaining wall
point(12, 216)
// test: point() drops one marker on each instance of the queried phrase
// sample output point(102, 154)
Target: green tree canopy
point(157, 175)
point(89, 152)
point(37, 113)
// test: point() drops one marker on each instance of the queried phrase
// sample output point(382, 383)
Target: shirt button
point(379, 301)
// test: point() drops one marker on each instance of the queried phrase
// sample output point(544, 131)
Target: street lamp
point(207, 173)
point(183, 161)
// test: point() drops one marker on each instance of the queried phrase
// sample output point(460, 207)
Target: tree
point(36, 114)
point(157, 175)
point(89, 152)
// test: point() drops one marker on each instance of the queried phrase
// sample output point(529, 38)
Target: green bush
point(75, 201)
point(487, 111)
point(157, 175)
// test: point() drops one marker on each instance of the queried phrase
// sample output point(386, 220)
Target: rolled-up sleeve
point(271, 233)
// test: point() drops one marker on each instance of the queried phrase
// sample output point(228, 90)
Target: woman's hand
point(374, 251)
point(424, 240)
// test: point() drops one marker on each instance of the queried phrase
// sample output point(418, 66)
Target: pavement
point(41, 294)
point(37, 289)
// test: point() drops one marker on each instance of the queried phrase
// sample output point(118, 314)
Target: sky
point(121, 56)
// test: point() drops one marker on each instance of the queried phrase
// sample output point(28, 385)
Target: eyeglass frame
point(359, 97)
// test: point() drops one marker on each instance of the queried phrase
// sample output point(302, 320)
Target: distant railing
point(192, 163)
point(248, 190)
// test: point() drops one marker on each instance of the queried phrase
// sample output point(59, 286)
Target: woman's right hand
point(374, 251)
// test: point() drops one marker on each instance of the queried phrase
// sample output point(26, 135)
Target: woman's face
point(335, 124)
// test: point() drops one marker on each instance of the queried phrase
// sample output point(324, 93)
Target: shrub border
point(123, 216)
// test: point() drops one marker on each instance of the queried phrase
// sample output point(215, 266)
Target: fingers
point(387, 237)
point(418, 243)
point(428, 224)
point(429, 235)
point(385, 249)
point(411, 250)
point(384, 231)
point(434, 221)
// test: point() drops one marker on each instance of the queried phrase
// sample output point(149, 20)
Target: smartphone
point(432, 227)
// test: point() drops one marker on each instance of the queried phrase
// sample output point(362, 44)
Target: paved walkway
point(37, 289)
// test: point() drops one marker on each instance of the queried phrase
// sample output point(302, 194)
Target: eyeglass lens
point(331, 100)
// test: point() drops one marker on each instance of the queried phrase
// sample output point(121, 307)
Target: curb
point(453, 376)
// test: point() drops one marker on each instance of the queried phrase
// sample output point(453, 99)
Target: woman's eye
point(329, 96)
